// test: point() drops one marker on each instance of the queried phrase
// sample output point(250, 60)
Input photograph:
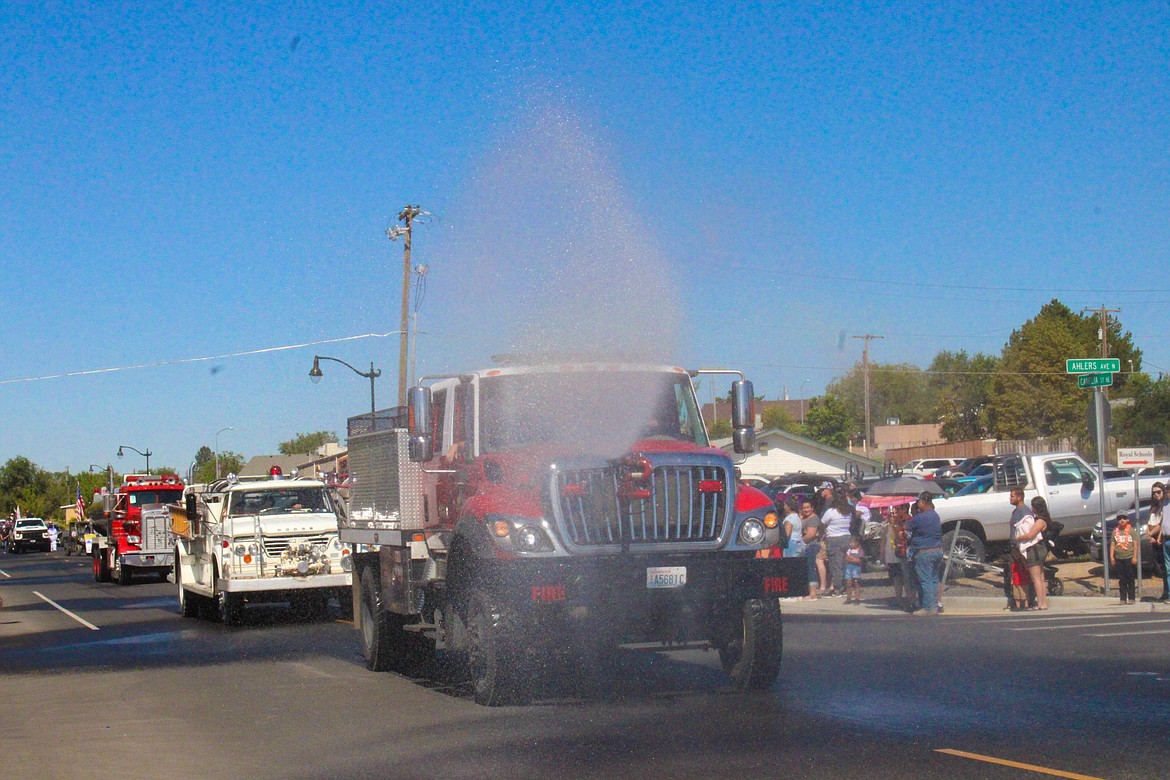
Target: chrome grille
point(274, 546)
point(594, 511)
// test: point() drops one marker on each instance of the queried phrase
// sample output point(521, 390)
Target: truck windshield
point(143, 497)
point(260, 502)
point(601, 412)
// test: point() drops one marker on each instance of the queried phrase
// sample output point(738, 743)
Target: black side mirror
point(422, 446)
point(743, 416)
point(1088, 482)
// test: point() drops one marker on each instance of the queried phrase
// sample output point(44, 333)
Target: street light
point(217, 433)
point(315, 375)
point(146, 454)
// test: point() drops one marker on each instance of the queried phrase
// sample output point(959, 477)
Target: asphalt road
point(141, 692)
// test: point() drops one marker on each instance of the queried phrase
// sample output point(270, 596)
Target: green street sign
point(1091, 365)
point(1094, 380)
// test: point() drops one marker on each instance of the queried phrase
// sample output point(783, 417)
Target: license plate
point(666, 576)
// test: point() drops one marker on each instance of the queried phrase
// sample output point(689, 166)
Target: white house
point(779, 452)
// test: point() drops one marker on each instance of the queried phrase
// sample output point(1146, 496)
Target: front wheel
point(751, 643)
point(230, 606)
point(492, 652)
point(101, 568)
point(969, 553)
point(188, 602)
point(125, 574)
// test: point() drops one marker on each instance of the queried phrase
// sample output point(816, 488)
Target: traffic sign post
point(1094, 380)
point(1091, 365)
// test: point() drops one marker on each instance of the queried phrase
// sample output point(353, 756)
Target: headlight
point(528, 538)
point(132, 539)
point(240, 549)
point(347, 563)
point(751, 532)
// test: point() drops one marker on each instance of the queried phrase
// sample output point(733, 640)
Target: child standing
point(1121, 559)
point(854, 558)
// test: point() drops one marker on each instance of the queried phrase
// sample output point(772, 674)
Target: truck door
point(1062, 483)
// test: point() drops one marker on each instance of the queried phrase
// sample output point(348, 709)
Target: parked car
point(1151, 561)
point(963, 468)
point(28, 533)
point(974, 486)
point(924, 466)
point(984, 470)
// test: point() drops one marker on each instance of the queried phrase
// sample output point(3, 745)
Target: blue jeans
point(1166, 561)
point(926, 566)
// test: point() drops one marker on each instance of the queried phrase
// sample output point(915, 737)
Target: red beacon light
point(275, 473)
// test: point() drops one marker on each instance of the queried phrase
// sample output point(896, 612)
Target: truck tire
point(377, 630)
point(101, 569)
point(125, 574)
point(492, 652)
point(751, 643)
point(229, 606)
point(188, 602)
point(970, 553)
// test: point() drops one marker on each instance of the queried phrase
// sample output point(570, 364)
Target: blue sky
point(743, 185)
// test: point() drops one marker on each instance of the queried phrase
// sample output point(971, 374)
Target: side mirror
point(422, 445)
point(192, 508)
point(743, 416)
point(1088, 482)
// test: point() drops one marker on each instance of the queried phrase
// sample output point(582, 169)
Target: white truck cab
point(273, 539)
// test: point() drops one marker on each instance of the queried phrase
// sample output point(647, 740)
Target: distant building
point(780, 452)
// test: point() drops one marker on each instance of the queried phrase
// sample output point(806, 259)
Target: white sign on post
point(1135, 457)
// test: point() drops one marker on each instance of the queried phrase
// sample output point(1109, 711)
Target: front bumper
point(144, 560)
point(343, 580)
point(623, 581)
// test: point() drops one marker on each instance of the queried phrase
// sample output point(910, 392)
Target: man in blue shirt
point(925, 549)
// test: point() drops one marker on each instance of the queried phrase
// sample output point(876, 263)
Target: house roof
point(778, 434)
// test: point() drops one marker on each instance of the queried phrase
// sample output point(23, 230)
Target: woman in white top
point(1030, 543)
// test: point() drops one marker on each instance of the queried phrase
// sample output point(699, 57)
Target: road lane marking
point(1146, 632)
point(1016, 764)
point(6, 574)
point(80, 620)
point(1111, 624)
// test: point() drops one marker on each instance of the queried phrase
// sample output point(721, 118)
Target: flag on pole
point(80, 504)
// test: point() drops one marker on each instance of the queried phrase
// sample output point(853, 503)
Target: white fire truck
point(550, 507)
point(246, 541)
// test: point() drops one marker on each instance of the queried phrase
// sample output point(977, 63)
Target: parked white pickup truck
point(241, 542)
point(1065, 480)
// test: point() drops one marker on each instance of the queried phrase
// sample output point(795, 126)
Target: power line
point(181, 361)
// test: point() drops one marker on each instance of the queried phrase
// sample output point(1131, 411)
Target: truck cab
point(136, 538)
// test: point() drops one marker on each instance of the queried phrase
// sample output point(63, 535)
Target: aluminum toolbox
point(386, 489)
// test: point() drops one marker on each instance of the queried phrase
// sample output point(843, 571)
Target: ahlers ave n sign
point(1091, 365)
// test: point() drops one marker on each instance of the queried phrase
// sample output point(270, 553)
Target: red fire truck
point(543, 509)
point(135, 537)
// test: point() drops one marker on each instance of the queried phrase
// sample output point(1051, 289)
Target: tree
point(1032, 396)
point(1147, 422)
point(304, 443)
point(229, 463)
point(961, 386)
point(828, 421)
point(721, 429)
point(25, 485)
point(898, 390)
point(778, 417)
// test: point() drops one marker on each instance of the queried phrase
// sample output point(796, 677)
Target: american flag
point(80, 505)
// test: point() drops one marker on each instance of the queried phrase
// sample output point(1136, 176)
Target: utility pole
point(1104, 326)
point(865, 372)
point(406, 217)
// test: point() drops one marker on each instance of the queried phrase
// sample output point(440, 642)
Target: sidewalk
point(983, 595)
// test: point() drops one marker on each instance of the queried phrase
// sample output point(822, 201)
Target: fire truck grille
point(598, 508)
point(275, 546)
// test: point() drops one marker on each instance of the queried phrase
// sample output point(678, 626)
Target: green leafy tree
point(961, 385)
point(1147, 421)
point(898, 390)
point(304, 443)
point(1032, 396)
point(229, 463)
point(828, 420)
point(25, 485)
point(720, 429)
point(778, 417)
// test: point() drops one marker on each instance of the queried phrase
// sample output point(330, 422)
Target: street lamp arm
point(146, 454)
point(373, 372)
